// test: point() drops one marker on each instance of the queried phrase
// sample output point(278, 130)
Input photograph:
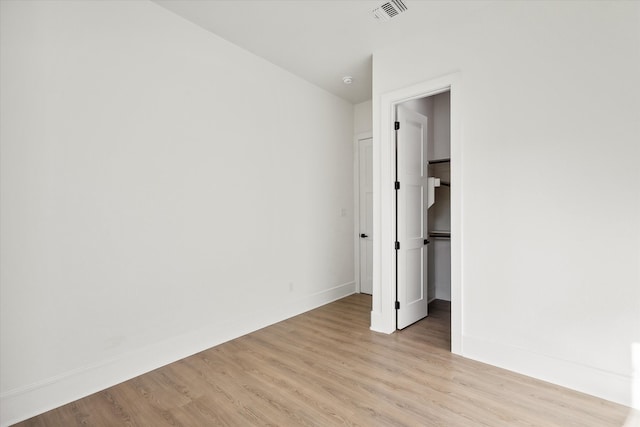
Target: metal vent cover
point(389, 10)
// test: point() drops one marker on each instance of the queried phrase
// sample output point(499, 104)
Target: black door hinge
point(397, 185)
point(397, 245)
point(397, 305)
point(396, 125)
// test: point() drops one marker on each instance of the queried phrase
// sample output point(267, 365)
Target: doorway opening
point(364, 209)
point(385, 294)
point(423, 208)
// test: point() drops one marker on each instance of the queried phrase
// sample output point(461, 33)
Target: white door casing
point(383, 313)
point(365, 168)
point(412, 217)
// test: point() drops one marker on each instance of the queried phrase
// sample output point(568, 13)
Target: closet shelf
point(440, 234)
point(435, 161)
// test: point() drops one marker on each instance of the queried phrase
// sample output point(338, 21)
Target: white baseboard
point(20, 404)
point(610, 386)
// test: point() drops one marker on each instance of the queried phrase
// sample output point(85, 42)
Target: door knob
point(363, 235)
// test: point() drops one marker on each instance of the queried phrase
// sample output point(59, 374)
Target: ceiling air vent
point(389, 10)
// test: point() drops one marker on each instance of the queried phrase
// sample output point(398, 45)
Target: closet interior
point(439, 254)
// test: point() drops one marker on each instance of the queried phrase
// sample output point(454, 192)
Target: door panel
point(413, 150)
point(415, 271)
point(412, 217)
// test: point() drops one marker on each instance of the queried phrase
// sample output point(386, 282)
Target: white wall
point(441, 147)
point(162, 191)
point(550, 118)
point(362, 117)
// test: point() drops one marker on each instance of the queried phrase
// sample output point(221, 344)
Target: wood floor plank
point(326, 367)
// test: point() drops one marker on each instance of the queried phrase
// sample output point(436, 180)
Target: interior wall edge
point(28, 401)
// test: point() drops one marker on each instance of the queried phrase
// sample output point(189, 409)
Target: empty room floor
point(325, 367)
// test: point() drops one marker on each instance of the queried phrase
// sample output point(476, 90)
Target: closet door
point(365, 147)
point(411, 140)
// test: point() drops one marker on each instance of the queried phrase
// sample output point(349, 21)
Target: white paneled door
point(365, 151)
point(411, 217)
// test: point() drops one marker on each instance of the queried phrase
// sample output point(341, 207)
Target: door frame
point(384, 265)
point(356, 202)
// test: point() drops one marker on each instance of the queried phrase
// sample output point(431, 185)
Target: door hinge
point(397, 245)
point(396, 125)
point(397, 185)
point(397, 305)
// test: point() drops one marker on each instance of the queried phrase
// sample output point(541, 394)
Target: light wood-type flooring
point(326, 368)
